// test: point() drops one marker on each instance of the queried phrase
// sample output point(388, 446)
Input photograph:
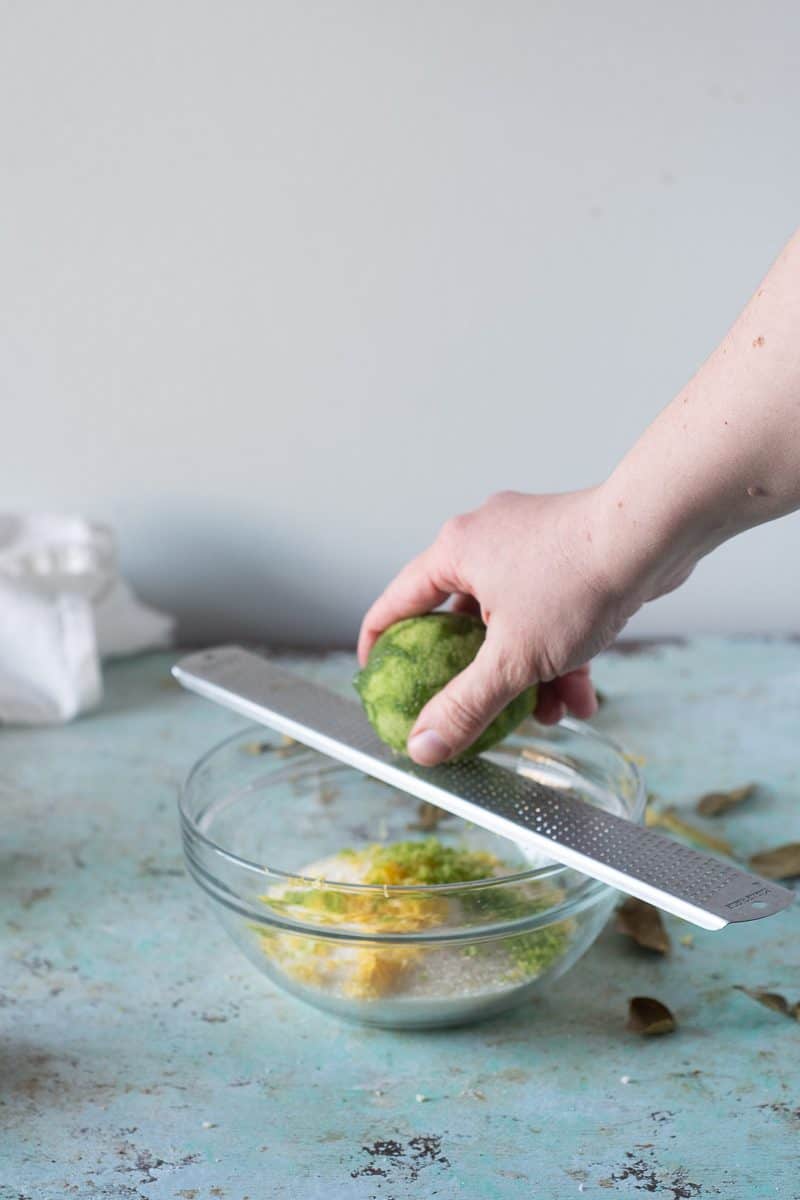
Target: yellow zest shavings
point(379, 971)
point(426, 862)
point(371, 971)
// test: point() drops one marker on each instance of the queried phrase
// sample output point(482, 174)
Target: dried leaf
point(715, 803)
point(36, 894)
point(257, 747)
point(781, 863)
point(649, 1017)
point(642, 922)
point(288, 746)
point(668, 819)
point(772, 1000)
point(428, 817)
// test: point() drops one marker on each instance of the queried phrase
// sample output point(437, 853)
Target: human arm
point(556, 577)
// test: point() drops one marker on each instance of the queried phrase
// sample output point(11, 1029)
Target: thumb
point(459, 713)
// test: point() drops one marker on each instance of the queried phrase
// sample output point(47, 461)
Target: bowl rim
point(534, 874)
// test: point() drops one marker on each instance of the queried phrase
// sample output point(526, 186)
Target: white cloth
point(63, 607)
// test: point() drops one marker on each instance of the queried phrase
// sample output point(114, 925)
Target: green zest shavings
point(533, 953)
point(427, 862)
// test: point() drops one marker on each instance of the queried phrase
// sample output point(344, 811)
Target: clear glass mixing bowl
point(258, 813)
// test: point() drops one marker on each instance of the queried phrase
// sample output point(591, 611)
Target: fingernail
point(427, 748)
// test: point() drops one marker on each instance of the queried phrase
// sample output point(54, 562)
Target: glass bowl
point(265, 821)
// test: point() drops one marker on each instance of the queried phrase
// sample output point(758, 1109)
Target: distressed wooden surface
point(143, 1057)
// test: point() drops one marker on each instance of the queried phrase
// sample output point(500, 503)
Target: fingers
point(572, 692)
point(550, 708)
point(420, 586)
point(575, 690)
point(457, 715)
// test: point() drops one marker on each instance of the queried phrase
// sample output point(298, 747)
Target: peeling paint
point(649, 1177)
point(402, 1160)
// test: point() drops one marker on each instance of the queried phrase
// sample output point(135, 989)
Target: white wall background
point(283, 285)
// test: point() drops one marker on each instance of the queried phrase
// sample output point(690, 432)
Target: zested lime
point(412, 661)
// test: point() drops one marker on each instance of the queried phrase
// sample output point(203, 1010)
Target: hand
point(555, 578)
point(535, 568)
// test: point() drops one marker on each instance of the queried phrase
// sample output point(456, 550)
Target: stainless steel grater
point(698, 887)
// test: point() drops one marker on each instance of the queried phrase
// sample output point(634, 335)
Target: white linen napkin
point(63, 607)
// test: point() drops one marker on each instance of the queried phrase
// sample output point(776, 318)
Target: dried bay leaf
point(257, 748)
point(649, 1017)
point(642, 922)
point(286, 747)
point(772, 1000)
point(781, 863)
point(713, 804)
point(428, 817)
point(289, 746)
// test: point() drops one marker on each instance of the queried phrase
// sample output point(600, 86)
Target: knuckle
point(549, 664)
point(452, 533)
point(453, 527)
point(501, 497)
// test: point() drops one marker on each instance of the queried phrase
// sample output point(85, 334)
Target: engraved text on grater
point(755, 894)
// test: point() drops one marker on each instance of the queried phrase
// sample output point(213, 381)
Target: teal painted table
point(142, 1057)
